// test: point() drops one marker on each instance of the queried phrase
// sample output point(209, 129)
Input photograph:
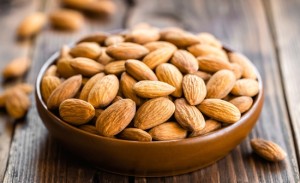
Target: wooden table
point(268, 32)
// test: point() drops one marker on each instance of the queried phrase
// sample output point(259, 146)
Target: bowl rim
point(207, 137)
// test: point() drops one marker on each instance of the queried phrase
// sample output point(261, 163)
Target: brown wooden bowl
point(149, 159)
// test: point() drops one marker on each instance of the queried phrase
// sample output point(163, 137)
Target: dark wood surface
point(266, 31)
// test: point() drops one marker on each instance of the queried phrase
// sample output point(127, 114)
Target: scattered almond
point(31, 25)
point(17, 103)
point(66, 19)
point(16, 68)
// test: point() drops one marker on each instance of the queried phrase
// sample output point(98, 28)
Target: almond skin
point(139, 70)
point(66, 19)
point(204, 50)
point(194, 89)
point(114, 39)
point(159, 56)
point(65, 90)
point(16, 68)
point(181, 38)
point(104, 91)
point(245, 87)
point(86, 49)
point(65, 69)
point(188, 116)
point(210, 125)
point(116, 67)
point(152, 89)
point(212, 63)
point(163, 109)
point(17, 103)
point(168, 73)
point(86, 67)
point(76, 111)
point(48, 85)
point(89, 85)
point(116, 117)
point(245, 63)
point(268, 150)
point(220, 110)
point(89, 128)
point(243, 103)
point(127, 83)
point(185, 61)
point(31, 25)
point(159, 44)
point(168, 131)
point(220, 84)
point(98, 37)
point(143, 36)
point(124, 51)
point(135, 134)
point(51, 71)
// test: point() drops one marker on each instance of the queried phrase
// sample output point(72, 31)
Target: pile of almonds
point(149, 84)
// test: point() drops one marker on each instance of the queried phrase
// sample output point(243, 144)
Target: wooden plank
point(34, 155)
point(243, 26)
point(285, 16)
point(11, 13)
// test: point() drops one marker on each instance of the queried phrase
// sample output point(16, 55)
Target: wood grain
point(242, 25)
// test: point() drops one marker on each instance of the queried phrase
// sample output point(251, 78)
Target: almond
point(89, 85)
point(16, 68)
point(220, 84)
point(17, 103)
point(168, 73)
point(51, 71)
point(204, 75)
point(104, 91)
point(104, 59)
point(116, 67)
point(135, 134)
point(31, 24)
point(65, 69)
point(116, 117)
point(220, 110)
point(210, 126)
point(89, 128)
point(66, 19)
point(159, 56)
point(114, 39)
point(64, 52)
point(100, 8)
point(86, 49)
point(268, 150)
point(124, 51)
point(167, 30)
point(204, 50)
point(65, 90)
point(209, 39)
point(237, 70)
point(245, 87)
point(152, 46)
point(76, 111)
point(243, 103)
point(168, 131)
point(181, 39)
point(98, 37)
point(245, 63)
point(185, 61)
point(48, 85)
point(142, 36)
point(194, 89)
point(163, 109)
point(139, 70)
point(211, 63)
point(127, 83)
point(152, 89)
point(188, 116)
point(86, 67)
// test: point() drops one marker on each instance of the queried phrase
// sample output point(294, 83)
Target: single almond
point(142, 36)
point(159, 56)
point(65, 90)
point(98, 37)
point(51, 71)
point(209, 39)
point(243, 103)
point(89, 85)
point(237, 70)
point(139, 70)
point(86, 49)
point(204, 50)
point(204, 75)
point(168, 73)
point(48, 85)
point(135, 134)
point(86, 67)
point(165, 31)
point(245, 63)
point(152, 89)
point(116, 117)
point(152, 46)
point(245, 87)
point(116, 67)
point(188, 116)
point(210, 126)
point(124, 51)
point(66, 19)
point(268, 150)
point(127, 83)
point(194, 89)
point(89, 128)
point(211, 63)
point(220, 84)
point(65, 69)
point(220, 110)
point(104, 91)
point(76, 111)
point(114, 39)
point(16, 68)
point(162, 107)
point(185, 61)
point(17, 103)
point(100, 8)
point(168, 131)
point(31, 24)
point(181, 39)
point(104, 59)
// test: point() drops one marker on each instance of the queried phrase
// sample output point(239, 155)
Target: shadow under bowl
point(148, 159)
